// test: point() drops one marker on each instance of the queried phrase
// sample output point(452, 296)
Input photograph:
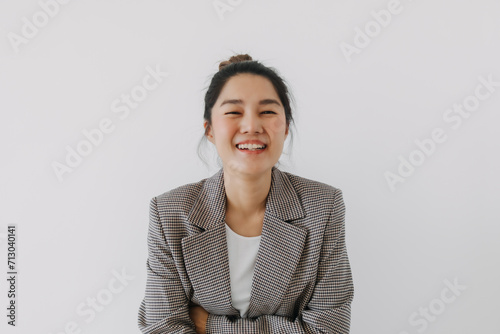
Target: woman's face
point(248, 110)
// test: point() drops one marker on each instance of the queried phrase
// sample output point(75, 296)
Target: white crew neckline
point(242, 256)
point(241, 236)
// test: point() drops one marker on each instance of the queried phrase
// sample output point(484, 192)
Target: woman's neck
point(247, 196)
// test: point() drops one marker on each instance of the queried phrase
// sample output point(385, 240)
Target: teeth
point(251, 147)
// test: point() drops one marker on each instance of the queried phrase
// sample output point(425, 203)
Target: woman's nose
point(251, 123)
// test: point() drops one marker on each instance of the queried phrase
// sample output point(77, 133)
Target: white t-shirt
point(242, 253)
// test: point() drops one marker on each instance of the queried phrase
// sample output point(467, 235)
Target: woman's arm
point(165, 308)
point(328, 310)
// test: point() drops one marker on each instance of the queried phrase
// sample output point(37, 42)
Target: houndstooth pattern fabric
point(302, 281)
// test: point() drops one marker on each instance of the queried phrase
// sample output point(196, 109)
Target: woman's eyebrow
point(262, 102)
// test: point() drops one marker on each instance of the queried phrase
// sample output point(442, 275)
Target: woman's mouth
point(251, 147)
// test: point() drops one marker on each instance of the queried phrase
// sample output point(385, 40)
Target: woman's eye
point(237, 112)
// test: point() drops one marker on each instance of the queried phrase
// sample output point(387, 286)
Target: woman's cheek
point(279, 126)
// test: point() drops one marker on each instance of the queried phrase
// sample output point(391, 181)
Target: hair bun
point(234, 59)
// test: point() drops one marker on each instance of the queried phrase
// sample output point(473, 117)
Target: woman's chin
point(247, 168)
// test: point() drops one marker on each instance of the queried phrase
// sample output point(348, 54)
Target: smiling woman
point(254, 117)
point(251, 249)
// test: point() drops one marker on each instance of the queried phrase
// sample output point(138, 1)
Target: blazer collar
point(209, 209)
point(205, 253)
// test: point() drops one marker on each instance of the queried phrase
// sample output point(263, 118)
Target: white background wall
point(356, 116)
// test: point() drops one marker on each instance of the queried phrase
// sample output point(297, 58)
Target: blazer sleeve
point(328, 310)
point(165, 308)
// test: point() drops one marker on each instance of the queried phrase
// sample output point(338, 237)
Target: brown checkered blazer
point(302, 281)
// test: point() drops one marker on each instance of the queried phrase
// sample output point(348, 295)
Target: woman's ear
point(208, 132)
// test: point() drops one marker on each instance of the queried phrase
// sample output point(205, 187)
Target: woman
point(251, 249)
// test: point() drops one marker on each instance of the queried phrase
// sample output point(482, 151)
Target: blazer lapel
point(280, 248)
point(206, 255)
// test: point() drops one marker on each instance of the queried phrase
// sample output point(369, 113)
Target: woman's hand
point(199, 317)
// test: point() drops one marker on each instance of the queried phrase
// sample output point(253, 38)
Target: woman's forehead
point(246, 87)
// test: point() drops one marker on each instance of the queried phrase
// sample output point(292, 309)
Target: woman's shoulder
point(181, 196)
point(310, 186)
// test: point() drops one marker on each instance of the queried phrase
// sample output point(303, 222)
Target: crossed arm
point(166, 309)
